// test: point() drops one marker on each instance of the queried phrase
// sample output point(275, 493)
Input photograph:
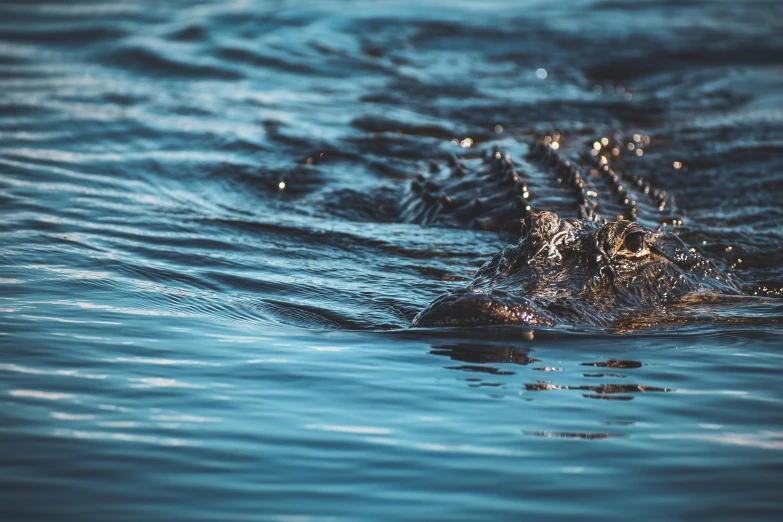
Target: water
point(205, 284)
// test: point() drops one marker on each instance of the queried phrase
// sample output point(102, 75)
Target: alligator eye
point(634, 243)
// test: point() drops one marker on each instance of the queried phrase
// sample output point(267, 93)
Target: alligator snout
point(474, 307)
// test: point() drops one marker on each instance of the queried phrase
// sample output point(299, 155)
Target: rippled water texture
point(206, 280)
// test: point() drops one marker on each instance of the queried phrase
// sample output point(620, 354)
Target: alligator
point(608, 262)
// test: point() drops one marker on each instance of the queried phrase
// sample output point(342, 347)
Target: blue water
point(205, 290)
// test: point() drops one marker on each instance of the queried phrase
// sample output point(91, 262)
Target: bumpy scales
point(569, 271)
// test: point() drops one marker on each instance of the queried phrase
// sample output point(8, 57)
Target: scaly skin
point(499, 189)
point(578, 272)
point(588, 270)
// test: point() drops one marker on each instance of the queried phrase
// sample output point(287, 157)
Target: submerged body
point(579, 272)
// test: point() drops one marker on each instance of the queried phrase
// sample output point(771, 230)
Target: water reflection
point(612, 392)
point(612, 363)
point(489, 358)
point(482, 354)
point(573, 435)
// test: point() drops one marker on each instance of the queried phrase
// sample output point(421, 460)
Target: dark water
point(205, 283)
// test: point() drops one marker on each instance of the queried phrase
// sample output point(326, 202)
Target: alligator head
point(579, 272)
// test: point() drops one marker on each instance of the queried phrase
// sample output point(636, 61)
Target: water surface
point(206, 283)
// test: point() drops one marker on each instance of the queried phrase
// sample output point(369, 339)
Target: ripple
point(36, 394)
point(164, 362)
point(152, 59)
point(572, 435)
point(770, 440)
point(363, 430)
point(207, 283)
point(161, 382)
point(37, 371)
point(124, 437)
